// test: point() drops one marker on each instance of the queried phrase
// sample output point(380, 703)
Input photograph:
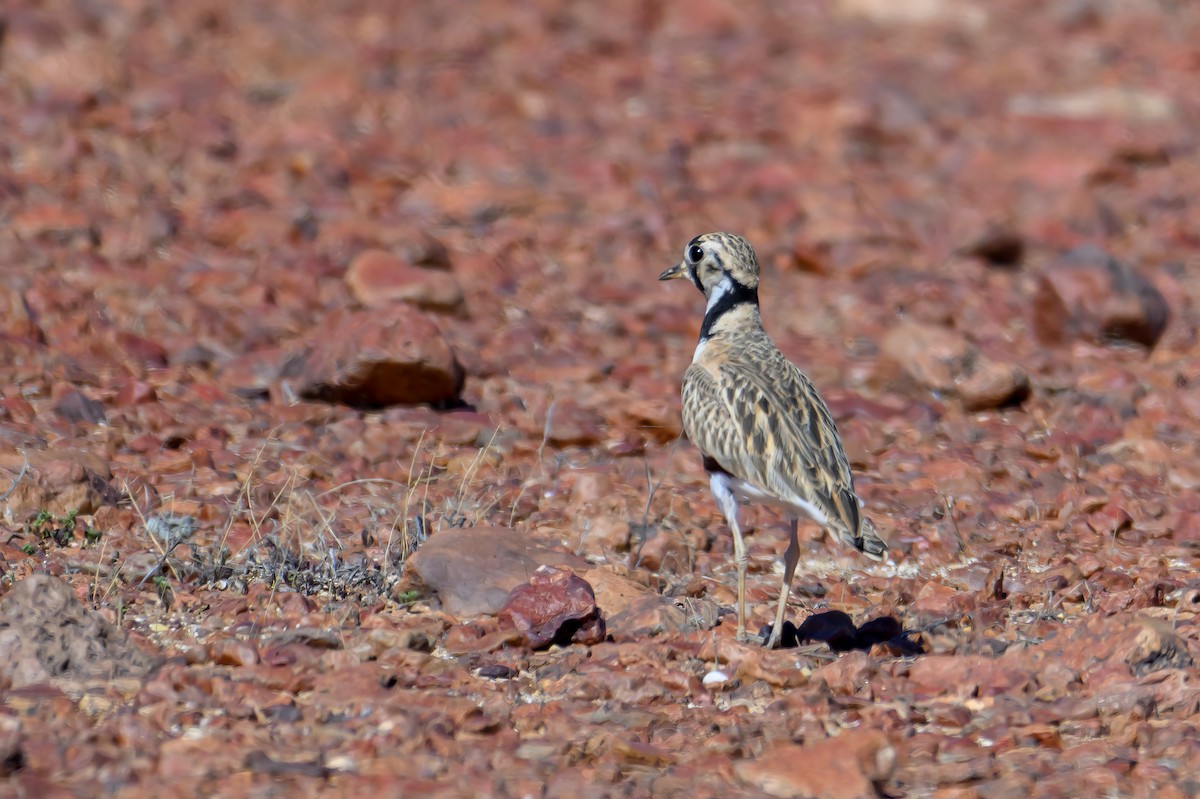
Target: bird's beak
point(675, 272)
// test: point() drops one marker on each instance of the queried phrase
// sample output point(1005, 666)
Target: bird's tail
point(868, 541)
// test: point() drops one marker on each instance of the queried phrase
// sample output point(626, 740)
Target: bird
point(765, 433)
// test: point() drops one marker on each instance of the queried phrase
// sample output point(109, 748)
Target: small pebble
point(496, 671)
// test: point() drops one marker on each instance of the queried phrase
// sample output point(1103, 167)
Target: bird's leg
point(790, 558)
point(739, 558)
point(729, 506)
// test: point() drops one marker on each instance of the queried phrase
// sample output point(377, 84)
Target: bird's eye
point(695, 253)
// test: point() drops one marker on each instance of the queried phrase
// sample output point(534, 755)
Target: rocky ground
point(325, 325)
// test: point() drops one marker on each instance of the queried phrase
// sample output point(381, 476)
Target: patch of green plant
point(409, 597)
point(162, 586)
point(61, 530)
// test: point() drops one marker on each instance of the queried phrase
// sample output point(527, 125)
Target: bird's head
point(717, 260)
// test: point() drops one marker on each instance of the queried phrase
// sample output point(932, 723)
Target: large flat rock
point(472, 570)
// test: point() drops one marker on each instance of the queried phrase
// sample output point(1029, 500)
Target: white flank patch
point(795, 505)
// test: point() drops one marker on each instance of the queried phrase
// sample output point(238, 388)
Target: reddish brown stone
point(376, 278)
point(572, 424)
point(142, 351)
point(993, 385)
point(843, 767)
point(77, 408)
point(476, 637)
point(134, 392)
point(253, 373)
point(51, 222)
point(997, 246)
point(938, 601)
point(555, 605)
point(379, 358)
point(231, 652)
point(1091, 295)
point(941, 360)
point(849, 675)
point(473, 570)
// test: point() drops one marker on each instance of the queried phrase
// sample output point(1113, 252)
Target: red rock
point(590, 487)
point(1110, 520)
point(849, 675)
point(940, 675)
point(997, 246)
point(134, 392)
point(17, 318)
point(844, 767)
point(60, 480)
point(477, 637)
point(1089, 294)
point(807, 258)
point(472, 570)
point(141, 350)
point(555, 605)
point(252, 374)
point(78, 409)
point(427, 251)
point(1153, 645)
point(11, 757)
point(653, 615)
point(660, 419)
point(615, 592)
point(572, 424)
point(942, 361)
point(638, 752)
point(378, 358)
point(52, 222)
point(957, 476)
point(466, 428)
point(960, 791)
point(662, 551)
point(938, 601)
point(18, 408)
point(1187, 530)
point(225, 651)
point(602, 537)
point(993, 385)
point(377, 278)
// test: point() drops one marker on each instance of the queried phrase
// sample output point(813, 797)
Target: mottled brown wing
point(765, 423)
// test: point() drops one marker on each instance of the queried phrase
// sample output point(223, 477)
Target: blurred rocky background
point(324, 326)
